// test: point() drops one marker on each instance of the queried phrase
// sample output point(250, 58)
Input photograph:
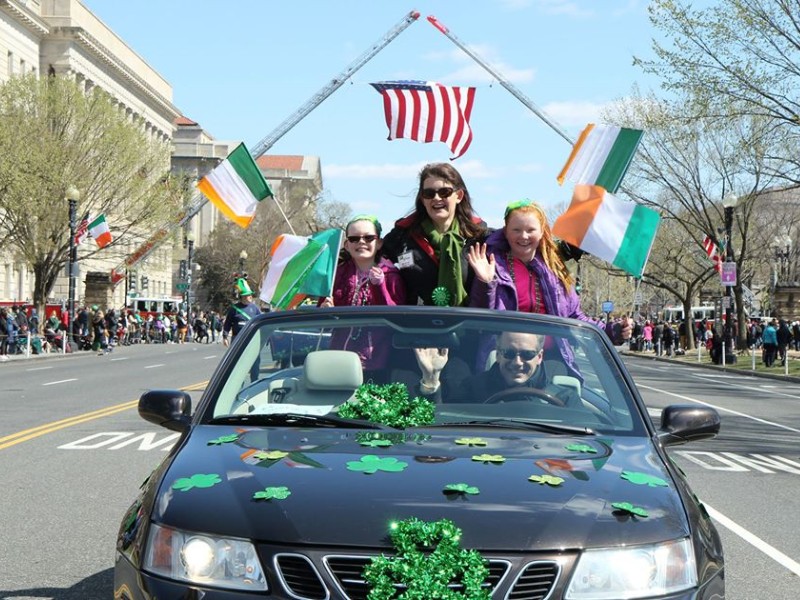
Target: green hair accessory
point(371, 218)
point(517, 204)
point(243, 288)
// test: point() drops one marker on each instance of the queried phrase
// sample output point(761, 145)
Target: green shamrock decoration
point(472, 441)
point(388, 404)
point(270, 454)
point(225, 439)
point(441, 296)
point(643, 479)
point(629, 508)
point(581, 448)
point(550, 480)
point(460, 488)
point(376, 443)
point(273, 493)
point(489, 458)
point(200, 480)
point(370, 463)
point(428, 560)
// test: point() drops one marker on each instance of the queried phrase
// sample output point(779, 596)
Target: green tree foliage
point(53, 136)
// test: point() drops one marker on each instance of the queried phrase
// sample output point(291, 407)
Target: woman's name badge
point(405, 260)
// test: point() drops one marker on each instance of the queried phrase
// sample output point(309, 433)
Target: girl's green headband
point(517, 204)
point(372, 219)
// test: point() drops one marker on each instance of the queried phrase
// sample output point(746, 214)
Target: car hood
point(213, 486)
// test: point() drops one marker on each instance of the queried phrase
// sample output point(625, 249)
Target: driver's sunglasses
point(526, 355)
point(354, 239)
point(442, 192)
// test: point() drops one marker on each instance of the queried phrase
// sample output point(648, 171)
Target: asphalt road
point(73, 452)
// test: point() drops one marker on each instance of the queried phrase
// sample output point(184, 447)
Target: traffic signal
point(182, 271)
point(132, 281)
point(145, 282)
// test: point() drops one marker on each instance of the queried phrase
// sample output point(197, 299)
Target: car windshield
point(476, 368)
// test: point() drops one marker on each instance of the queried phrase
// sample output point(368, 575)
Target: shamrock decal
point(441, 296)
point(489, 458)
point(200, 480)
point(270, 455)
point(627, 507)
point(225, 439)
point(428, 560)
point(581, 448)
point(643, 479)
point(371, 464)
point(551, 480)
point(460, 488)
point(273, 493)
point(376, 443)
point(473, 441)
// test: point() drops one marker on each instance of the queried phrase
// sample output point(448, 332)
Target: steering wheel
point(502, 395)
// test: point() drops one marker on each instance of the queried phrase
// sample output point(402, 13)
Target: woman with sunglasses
point(429, 245)
point(363, 278)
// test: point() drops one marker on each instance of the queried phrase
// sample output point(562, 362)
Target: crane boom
point(502, 80)
point(199, 200)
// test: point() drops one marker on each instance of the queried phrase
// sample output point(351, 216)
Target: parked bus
point(155, 306)
point(674, 314)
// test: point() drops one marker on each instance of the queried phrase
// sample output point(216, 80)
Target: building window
point(10, 63)
point(22, 66)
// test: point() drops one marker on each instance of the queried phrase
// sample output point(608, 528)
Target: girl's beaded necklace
point(533, 292)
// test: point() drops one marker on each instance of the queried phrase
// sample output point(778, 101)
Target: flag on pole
point(99, 230)
point(301, 266)
point(236, 186)
point(426, 111)
point(611, 229)
point(713, 253)
point(82, 230)
point(601, 156)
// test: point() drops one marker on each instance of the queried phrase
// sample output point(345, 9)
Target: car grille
point(535, 582)
point(300, 577)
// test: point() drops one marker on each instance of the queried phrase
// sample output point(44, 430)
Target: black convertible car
point(419, 452)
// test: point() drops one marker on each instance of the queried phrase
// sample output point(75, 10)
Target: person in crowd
point(33, 320)
point(82, 322)
point(21, 319)
point(182, 326)
point(214, 325)
point(429, 245)
point(201, 328)
point(647, 335)
point(239, 313)
point(99, 333)
point(364, 277)
point(769, 338)
point(53, 322)
point(668, 338)
point(784, 339)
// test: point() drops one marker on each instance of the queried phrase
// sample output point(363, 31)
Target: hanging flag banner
point(100, 232)
point(728, 274)
point(82, 230)
point(601, 156)
point(713, 253)
point(426, 111)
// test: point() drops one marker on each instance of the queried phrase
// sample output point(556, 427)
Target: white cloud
point(470, 72)
point(573, 113)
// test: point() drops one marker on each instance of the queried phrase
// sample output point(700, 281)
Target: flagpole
point(502, 80)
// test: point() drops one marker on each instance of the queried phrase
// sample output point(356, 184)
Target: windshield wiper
point(522, 424)
point(295, 419)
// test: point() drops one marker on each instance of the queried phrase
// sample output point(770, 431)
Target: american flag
point(426, 111)
point(82, 230)
point(713, 253)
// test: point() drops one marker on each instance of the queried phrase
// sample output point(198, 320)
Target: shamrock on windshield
point(581, 448)
point(643, 479)
point(270, 454)
point(376, 443)
point(225, 439)
point(460, 488)
point(471, 441)
point(489, 458)
point(371, 464)
point(551, 480)
point(200, 480)
point(273, 493)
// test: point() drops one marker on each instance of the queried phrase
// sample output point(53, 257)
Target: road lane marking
point(719, 408)
point(40, 430)
point(120, 358)
point(39, 369)
point(754, 540)
point(208, 357)
point(154, 366)
point(60, 381)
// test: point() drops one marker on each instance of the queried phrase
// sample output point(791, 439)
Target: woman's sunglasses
point(354, 239)
point(442, 192)
point(525, 355)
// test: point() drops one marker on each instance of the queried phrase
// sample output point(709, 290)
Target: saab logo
point(115, 440)
point(730, 461)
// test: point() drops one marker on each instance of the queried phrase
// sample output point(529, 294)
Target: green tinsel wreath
point(424, 576)
point(390, 405)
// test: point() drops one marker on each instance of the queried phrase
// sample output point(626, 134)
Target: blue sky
point(240, 68)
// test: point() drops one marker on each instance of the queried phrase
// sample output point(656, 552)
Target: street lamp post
point(189, 257)
point(729, 203)
point(72, 196)
point(783, 251)
point(242, 258)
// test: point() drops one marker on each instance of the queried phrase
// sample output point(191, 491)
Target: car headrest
point(332, 370)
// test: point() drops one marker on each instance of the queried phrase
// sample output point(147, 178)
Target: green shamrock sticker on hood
point(200, 480)
point(372, 464)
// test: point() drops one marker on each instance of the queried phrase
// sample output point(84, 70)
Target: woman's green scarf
point(448, 247)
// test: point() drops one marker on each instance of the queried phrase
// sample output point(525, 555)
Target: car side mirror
point(687, 423)
point(168, 408)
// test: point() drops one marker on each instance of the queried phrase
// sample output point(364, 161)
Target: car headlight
point(203, 559)
point(636, 572)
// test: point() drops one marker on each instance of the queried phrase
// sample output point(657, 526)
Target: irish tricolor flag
point(301, 266)
point(618, 232)
point(99, 230)
point(236, 186)
point(601, 156)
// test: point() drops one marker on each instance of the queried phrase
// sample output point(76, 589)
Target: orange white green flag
point(236, 186)
point(301, 267)
point(601, 156)
point(100, 232)
point(611, 229)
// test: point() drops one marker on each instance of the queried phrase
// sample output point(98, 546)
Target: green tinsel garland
point(390, 405)
point(427, 576)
